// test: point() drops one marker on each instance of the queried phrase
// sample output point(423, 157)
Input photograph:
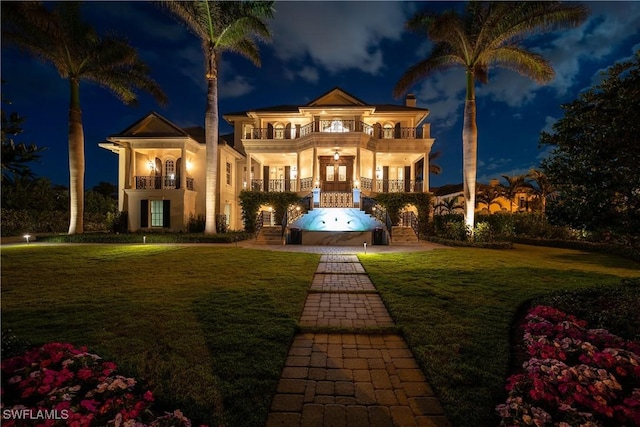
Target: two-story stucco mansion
point(334, 144)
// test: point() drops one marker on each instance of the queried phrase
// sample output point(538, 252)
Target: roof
point(153, 125)
point(336, 97)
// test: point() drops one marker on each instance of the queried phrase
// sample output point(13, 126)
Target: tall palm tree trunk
point(469, 151)
point(76, 160)
point(211, 139)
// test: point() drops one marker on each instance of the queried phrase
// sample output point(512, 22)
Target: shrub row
point(148, 238)
point(468, 243)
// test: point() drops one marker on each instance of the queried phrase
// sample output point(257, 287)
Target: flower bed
point(575, 376)
point(59, 385)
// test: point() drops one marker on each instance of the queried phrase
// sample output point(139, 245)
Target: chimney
point(410, 100)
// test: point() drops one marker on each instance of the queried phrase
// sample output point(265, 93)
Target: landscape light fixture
point(27, 237)
point(365, 248)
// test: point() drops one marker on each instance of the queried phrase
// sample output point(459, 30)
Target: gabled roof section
point(336, 96)
point(153, 125)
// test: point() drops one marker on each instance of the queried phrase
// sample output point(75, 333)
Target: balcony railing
point(160, 183)
point(398, 186)
point(274, 185)
point(339, 126)
point(392, 185)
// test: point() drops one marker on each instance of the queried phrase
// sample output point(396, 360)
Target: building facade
point(334, 145)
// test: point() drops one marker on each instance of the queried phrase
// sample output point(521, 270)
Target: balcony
point(160, 183)
point(339, 126)
point(366, 184)
point(392, 185)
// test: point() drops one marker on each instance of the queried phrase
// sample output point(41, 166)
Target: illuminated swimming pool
point(336, 219)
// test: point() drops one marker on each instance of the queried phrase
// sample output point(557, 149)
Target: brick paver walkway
point(350, 379)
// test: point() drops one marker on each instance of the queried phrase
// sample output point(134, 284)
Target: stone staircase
point(270, 236)
point(403, 236)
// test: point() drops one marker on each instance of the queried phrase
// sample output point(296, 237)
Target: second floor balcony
point(338, 126)
point(161, 183)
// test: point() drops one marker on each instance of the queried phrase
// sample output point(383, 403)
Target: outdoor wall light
point(27, 237)
point(336, 156)
point(151, 165)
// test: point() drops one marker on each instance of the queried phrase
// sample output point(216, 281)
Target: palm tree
point(221, 26)
point(488, 33)
point(490, 195)
point(434, 168)
point(60, 36)
point(542, 188)
point(449, 205)
point(515, 184)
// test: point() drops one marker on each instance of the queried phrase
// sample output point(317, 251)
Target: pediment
point(153, 125)
point(334, 97)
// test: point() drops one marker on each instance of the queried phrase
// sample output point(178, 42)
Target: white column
point(374, 178)
point(358, 174)
point(316, 175)
point(425, 179)
point(183, 169)
point(297, 171)
point(412, 178)
point(132, 168)
point(248, 173)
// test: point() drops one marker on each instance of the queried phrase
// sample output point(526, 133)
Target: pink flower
point(84, 373)
point(90, 405)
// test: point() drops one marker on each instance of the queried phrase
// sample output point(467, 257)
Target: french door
point(336, 175)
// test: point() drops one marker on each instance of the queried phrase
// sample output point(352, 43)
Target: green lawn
point(208, 329)
point(456, 306)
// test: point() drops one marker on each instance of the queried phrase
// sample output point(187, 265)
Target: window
point(155, 213)
point(330, 172)
point(169, 174)
point(342, 173)
point(335, 125)
point(278, 131)
point(228, 173)
point(387, 131)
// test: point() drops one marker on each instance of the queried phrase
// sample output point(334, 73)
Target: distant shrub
point(482, 232)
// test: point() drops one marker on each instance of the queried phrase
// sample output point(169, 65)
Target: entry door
point(335, 175)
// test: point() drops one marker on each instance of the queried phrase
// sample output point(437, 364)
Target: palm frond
point(439, 60)
point(522, 61)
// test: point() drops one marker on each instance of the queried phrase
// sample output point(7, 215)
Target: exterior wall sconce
point(336, 156)
point(151, 165)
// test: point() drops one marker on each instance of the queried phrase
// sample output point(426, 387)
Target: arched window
point(169, 174)
point(336, 125)
point(278, 131)
point(387, 131)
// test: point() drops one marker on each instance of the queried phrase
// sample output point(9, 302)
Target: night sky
point(361, 47)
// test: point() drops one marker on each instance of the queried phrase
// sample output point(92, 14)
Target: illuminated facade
point(332, 145)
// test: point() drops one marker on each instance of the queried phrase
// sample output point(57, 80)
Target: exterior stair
point(403, 236)
point(270, 236)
